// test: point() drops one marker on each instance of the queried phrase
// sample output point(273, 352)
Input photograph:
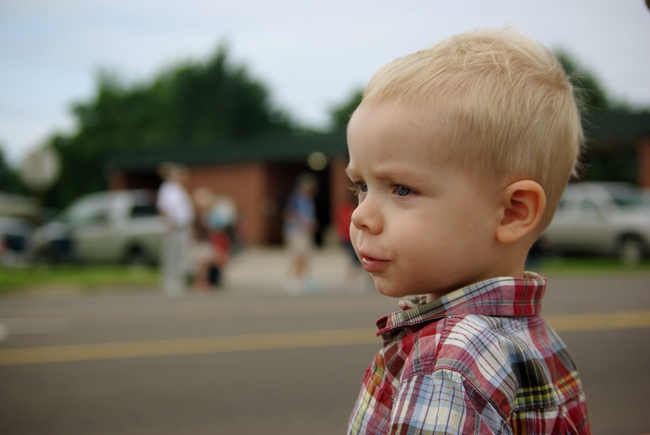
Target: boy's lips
point(373, 265)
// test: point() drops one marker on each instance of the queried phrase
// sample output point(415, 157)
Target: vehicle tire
point(630, 250)
point(135, 257)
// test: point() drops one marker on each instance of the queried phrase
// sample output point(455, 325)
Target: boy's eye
point(359, 187)
point(402, 190)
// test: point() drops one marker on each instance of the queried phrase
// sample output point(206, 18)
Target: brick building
point(257, 175)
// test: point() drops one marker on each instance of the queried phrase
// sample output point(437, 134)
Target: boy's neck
point(515, 272)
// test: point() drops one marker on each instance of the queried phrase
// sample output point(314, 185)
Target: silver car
point(14, 236)
point(104, 227)
point(610, 219)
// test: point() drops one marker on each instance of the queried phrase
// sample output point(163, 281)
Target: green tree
point(194, 104)
point(610, 163)
point(590, 92)
point(10, 181)
point(340, 115)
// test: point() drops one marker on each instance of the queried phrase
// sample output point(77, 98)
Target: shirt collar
point(498, 297)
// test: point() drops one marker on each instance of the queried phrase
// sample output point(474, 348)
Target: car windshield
point(631, 202)
point(144, 210)
point(628, 197)
point(86, 210)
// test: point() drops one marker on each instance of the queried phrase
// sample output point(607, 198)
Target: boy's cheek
point(353, 235)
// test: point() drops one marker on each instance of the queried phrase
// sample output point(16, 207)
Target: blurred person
point(460, 154)
point(299, 227)
point(175, 206)
point(222, 221)
point(204, 254)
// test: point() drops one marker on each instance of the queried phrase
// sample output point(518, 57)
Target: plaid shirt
point(479, 360)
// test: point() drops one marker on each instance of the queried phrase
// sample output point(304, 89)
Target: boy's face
point(422, 226)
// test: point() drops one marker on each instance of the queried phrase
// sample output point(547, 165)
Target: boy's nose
point(366, 217)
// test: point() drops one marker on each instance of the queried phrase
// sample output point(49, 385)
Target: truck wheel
point(630, 250)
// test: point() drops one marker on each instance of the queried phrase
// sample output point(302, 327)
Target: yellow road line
point(187, 346)
point(599, 321)
point(276, 341)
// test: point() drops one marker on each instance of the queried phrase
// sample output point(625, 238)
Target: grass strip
point(75, 276)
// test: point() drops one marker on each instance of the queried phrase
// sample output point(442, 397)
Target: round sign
point(317, 161)
point(40, 168)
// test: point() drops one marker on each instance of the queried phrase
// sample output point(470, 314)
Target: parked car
point(14, 237)
point(609, 219)
point(105, 227)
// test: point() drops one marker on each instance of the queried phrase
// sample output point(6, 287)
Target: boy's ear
point(523, 204)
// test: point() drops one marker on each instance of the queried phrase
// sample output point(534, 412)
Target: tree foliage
point(340, 115)
point(590, 92)
point(10, 181)
point(194, 104)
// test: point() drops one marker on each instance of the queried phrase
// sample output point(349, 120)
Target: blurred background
point(247, 96)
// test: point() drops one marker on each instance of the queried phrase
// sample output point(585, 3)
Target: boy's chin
point(391, 291)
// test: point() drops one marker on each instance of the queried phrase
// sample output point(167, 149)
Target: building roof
point(281, 149)
point(615, 128)
point(602, 129)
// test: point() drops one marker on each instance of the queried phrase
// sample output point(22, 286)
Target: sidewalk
point(264, 271)
point(253, 271)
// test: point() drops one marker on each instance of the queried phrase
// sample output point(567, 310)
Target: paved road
point(254, 360)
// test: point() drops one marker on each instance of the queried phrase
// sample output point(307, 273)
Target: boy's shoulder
point(512, 361)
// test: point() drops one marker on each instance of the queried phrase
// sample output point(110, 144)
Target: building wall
point(340, 190)
point(118, 180)
point(643, 152)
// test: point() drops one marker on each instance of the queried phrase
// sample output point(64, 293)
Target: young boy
point(459, 155)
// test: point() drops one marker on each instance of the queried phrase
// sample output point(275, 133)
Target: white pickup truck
point(105, 227)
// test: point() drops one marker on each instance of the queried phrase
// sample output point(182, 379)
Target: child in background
point(222, 221)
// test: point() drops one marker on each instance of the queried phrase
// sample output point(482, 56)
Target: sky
point(310, 54)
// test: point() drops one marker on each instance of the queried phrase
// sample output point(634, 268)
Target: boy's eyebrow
point(391, 172)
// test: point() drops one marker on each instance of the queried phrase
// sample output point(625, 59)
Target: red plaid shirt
point(480, 360)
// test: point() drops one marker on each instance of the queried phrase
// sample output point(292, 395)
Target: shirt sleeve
point(444, 402)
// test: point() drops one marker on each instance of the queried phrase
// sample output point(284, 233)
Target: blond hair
point(503, 103)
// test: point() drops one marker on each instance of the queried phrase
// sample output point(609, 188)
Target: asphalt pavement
point(251, 358)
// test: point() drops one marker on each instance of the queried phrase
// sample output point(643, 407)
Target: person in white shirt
point(176, 208)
